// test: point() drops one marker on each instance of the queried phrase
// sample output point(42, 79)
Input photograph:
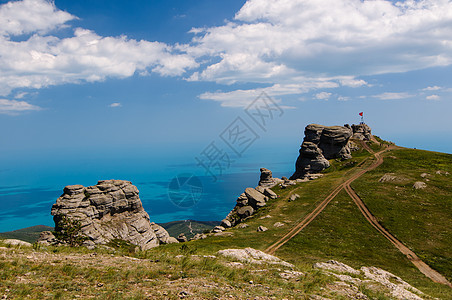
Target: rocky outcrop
point(362, 132)
point(320, 144)
point(109, 210)
point(267, 180)
point(250, 201)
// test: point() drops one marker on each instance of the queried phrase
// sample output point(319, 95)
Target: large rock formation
point(362, 132)
point(109, 210)
point(320, 144)
point(251, 200)
point(267, 180)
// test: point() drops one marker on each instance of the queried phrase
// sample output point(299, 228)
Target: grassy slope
point(175, 228)
point(339, 233)
point(419, 218)
point(29, 234)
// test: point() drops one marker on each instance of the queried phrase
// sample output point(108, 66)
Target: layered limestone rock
point(267, 180)
point(109, 210)
point(251, 200)
point(320, 144)
point(362, 132)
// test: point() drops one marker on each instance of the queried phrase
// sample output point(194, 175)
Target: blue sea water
point(31, 182)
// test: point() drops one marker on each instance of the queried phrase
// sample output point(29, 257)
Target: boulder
point(255, 199)
point(261, 228)
point(14, 242)
point(266, 178)
point(182, 238)
point(47, 238)
point(419, 185)
point(109, 210)
point(293, 197)
point(245, 211)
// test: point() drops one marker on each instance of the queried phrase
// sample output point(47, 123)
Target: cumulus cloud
point(432, 97)
point(13, 107)
point(242, 98)
point(115, 104)
point(432, 88)
point(275, 41)
point(43, 59)
point(322, 96)
point(393, 96)
point(28, 16)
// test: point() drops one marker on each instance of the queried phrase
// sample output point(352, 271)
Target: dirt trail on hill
point(423, 267)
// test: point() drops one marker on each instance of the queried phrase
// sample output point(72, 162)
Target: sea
point(179, 184)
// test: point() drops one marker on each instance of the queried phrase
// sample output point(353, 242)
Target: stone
point(362, 132)
point(242, 200)
point(293, 197)
point(199, 236)
point(269, 193)
point(261, 228)
point(253, 256)
point(245, 211)
point(217, 229)
point(387, 177)
point(14, 242)
point(424, 175)
point(419, 185)
point(182, 238)
point(320, 144)
point(334, 265)
point(226, 223)
point(242, 225)
point(47, 238)
point(266, 178)
point(279, 224)
point(112, 209)
point(256, 199)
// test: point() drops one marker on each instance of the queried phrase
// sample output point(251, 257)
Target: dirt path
point(309, 218)
point(423, 267)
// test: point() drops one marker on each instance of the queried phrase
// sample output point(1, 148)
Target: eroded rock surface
point(320, 144)
point(362, 132)
point(109, 210)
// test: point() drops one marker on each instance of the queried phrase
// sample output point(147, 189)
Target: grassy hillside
point(188, 227)
point(418, 218)
point(29, 234)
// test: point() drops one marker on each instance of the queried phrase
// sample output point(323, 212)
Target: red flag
point(361, 114)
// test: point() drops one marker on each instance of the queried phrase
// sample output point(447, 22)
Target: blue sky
point(95, 76)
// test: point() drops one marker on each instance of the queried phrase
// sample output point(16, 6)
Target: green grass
point(419, 218)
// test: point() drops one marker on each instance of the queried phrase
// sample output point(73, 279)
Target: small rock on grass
point(419, 185)
point(261, 228)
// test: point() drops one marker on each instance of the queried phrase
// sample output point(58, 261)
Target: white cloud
point(115, 104)
point(242, 98)
point(393, 96)
point(433, 97)
point(432, 88)
point(44, 60)
point(275, 41)
point(322, 96)
point(343, 98)
point(13, 107)
point(354, 83)
point(29, 16)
